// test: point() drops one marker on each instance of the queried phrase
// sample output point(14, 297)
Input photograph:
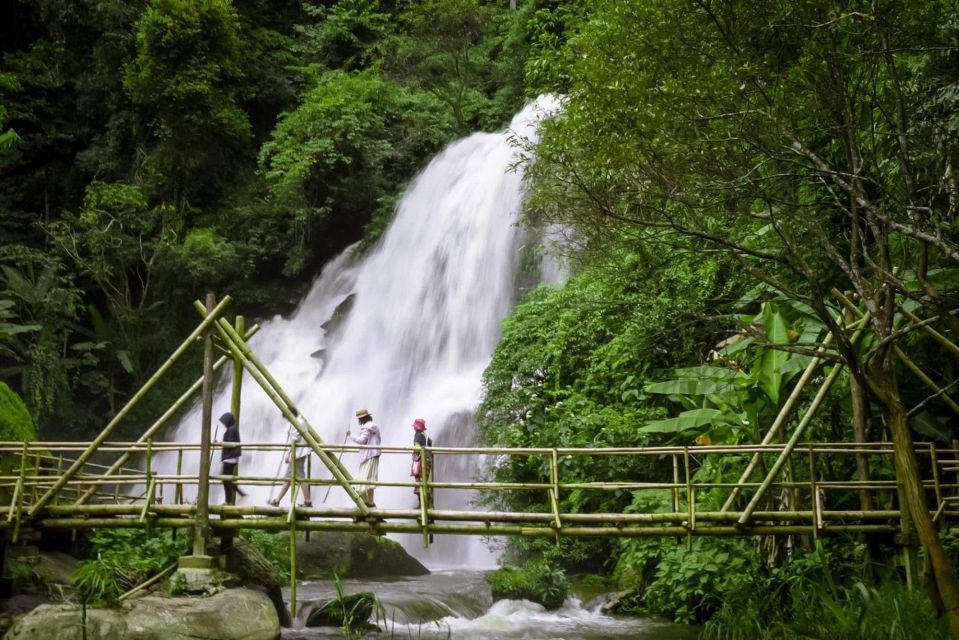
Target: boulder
point(234, 614)
point(353, 555)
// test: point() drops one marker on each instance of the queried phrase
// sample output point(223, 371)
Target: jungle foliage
point(156, 149)
point(790, 150)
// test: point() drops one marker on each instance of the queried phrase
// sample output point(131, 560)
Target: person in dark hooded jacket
point(230, 455)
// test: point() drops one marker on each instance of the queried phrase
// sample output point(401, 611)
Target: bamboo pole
point(292, 525)
point(413, 515)
point(18, 487)
point(424, 497)
point(906, 360)
point(101, 438)
point(814, 501)
point(202, 530)
point(935, 477)
point(794, 439)
point(240, 324)
point(554, 493)
point(289, 412)
point(305, 428)
point(781, 417)
point(544, 531)
point(948, 344)
point(140, 587)
point(178, 493)
point(675, 483)
point(170, 412)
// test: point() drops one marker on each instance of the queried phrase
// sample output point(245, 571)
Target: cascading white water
point(404, 332)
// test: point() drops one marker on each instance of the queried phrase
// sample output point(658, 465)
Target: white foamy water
point(405, 331)
point(458, 605)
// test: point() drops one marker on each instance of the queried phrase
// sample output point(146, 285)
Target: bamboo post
point(424, 498)
point(151, 486)
point(19, 501)
point(36, 466)
point(781, 417)
point(309, 475)
point(178, 492)
point(18, 488)
point(813, 495)
point(290, 516)
point(293, 543)
point(554, 493)
point(59, 473)
point(676, 483)
point(935, 475)
point(691, 515)
point(290, 413)
point(202, 530)
point(102, 437)
point(162, 420)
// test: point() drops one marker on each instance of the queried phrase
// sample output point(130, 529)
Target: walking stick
point(339, 456)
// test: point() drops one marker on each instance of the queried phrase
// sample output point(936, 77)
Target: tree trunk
point(883, 383)
point(860, 412)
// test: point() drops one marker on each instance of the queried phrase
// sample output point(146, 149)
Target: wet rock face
point(353, 555)
point(234, 614)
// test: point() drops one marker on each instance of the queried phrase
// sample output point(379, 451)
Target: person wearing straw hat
point(369, 458)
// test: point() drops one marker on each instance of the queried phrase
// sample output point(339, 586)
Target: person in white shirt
point(299, 467)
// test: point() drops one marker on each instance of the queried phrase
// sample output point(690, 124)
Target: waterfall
point(404, 331)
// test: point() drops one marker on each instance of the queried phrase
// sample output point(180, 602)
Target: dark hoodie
point(232, 434)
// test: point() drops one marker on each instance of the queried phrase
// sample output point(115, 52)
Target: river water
point(457, 604)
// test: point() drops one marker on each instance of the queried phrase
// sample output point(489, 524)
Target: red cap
point(419, 424)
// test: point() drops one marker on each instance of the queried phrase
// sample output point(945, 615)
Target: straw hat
point(362, 413)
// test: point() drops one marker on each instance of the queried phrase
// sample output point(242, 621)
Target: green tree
point(350, 143)
point(792, 137)
point(183, 79)
point(121, 244)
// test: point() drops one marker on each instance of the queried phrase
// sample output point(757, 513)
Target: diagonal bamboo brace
point(270, 387)
point(162, 420)
point(800, 430)
point(100, 439)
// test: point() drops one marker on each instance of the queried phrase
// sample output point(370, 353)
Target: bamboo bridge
point(825, 501)
point(786, 487)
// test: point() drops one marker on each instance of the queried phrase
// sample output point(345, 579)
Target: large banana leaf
point(693, 419)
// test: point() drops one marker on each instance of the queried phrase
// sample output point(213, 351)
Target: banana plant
point(743, 387)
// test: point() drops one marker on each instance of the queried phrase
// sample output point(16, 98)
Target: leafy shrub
point(691, 584)
point(96, 582)
point(16, 425)
point(541, 583)
point(134, 555)
point(275, 547)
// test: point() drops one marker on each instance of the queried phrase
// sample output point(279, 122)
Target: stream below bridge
point(457, 604)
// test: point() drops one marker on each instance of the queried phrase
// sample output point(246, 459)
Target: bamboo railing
point(820, 503)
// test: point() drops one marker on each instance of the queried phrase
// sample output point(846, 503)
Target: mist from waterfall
point(404, 331)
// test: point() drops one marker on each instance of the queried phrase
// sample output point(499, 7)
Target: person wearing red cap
point(420, 439)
